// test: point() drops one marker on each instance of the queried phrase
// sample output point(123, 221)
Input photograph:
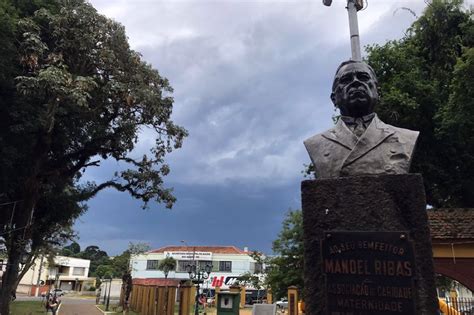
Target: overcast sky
point(251, 81)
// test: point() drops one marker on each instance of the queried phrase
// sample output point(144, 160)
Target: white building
point(66, 273)
point(228, 264)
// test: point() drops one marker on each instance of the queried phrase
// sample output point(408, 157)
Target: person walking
point(52, 305)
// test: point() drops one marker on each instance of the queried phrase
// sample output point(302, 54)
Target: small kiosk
point(228, 303)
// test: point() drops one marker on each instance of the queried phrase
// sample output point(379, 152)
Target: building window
point(225, 266)
point(182, 264)
point(152, 264)
point(204, 263)
point(78, 271)
point(64, 270)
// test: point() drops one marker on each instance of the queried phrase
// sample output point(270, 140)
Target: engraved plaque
point(368, 273)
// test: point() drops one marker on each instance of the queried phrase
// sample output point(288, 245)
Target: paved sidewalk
point(78, 306)
point(79, 309)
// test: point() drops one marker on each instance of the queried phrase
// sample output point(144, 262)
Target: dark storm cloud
point(252, 80)
point(204, 215)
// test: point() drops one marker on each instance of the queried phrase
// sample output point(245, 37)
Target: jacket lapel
point(341, 135)
point(375, 134)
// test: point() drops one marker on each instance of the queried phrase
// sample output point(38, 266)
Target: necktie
point(359, 128)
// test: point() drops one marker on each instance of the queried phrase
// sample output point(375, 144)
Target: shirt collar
point(355, 120)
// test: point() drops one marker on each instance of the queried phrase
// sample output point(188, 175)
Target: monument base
point(359, 212)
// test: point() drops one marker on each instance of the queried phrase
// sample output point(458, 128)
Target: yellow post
point(192, 298)
point(292, 300)
point(216, 293)
point(242, 296)
point(269, 296)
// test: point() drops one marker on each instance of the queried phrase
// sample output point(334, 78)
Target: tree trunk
point(16, 242)
point(9, 280)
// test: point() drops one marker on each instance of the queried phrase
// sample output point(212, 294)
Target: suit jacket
point(382, 149)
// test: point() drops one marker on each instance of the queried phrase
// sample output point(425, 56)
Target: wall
point(114, 290)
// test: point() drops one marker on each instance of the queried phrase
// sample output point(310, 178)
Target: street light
point(352, 7)
point(197, 275)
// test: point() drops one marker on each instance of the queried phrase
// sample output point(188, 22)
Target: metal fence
point(458, 306)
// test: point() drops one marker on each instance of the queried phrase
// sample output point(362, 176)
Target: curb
point(104, 312)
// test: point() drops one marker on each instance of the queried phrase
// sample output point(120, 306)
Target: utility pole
point(108, 296)
point(39, 275)
point(352, 7)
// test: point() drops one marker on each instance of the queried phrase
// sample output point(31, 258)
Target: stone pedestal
point(378, 203)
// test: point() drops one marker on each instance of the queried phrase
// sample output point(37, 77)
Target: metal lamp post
point(197, 275)
point(352, 7)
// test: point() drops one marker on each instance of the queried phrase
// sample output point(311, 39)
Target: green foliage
point(137, 248)
point(101, 265)
point(426, 84)
point(444, 283)
point(286, 268)
point(121, 262)
point(257, 279)
point(72, 94)
point(104, 272)
point(97, 257)
point(167, 264)
point(71, 250)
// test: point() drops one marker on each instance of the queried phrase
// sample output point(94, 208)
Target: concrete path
point(78, 306)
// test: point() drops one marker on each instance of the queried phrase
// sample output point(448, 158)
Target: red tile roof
point(451, 224)
point(212, 249)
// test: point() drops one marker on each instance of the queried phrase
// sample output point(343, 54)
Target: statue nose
point(355, 83)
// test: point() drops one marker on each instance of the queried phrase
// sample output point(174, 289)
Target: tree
point(256, 279)
point(97, 257)
point(426, 84)
point(127, 283)
point(121, 263)
point(70, 250)
point(286, 268)
point(72, 95)
point(166, 265)
point(105, 272)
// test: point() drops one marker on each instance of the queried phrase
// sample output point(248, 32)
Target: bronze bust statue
point(360, 143)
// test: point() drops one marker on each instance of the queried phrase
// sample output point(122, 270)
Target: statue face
point(355, 90)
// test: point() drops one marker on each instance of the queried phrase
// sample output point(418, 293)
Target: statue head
point(354, 90)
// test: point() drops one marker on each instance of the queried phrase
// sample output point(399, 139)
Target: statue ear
point(333, 99)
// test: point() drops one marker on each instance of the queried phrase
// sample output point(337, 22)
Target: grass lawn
point(27, 308)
